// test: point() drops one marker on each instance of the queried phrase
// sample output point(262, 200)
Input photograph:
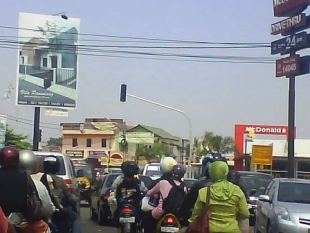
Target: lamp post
point(175, 110)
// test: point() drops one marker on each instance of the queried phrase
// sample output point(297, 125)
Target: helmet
point(51, 164)
point(233, 176)
point(130, 169)
point(209, 159)
point(178, 171)
point(9, 157)
point(124, 165)
point(27, 162)
point(166, 164)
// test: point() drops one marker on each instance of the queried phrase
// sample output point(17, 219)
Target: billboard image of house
point(47, 61)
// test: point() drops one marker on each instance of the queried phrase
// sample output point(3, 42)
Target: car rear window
point(62, 170)
point(294, 192)
point(255, 184)
point(87, 170)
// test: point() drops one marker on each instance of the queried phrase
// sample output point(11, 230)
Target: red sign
point(287, 66)
point(282, 8)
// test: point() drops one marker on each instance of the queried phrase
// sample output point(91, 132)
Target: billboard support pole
point(36, 129)
point(291, 126)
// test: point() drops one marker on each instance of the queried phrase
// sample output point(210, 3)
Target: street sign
point(290, 44)
point(293, 65)
point(282, 8)
point(297, 28)
point(287, 66)
point(296, 21)
point(261, 155)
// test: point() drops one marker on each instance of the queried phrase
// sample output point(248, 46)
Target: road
point(89, 226)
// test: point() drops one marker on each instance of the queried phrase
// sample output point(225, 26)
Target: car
point(284, 207)
point(152, 170)
point(254, 183)
point(99, 208)
point(189, 182)
point(66, 171)
point(86, 176)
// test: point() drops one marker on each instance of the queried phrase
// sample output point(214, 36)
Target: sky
point(215, 95)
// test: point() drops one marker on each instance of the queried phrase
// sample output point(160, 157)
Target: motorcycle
point(128, 219)
point(21, 225)
point(168, 223)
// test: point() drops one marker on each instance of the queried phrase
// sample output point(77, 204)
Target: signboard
point(282, 8)
point(290, 43)
point(75, 153)
point(287, 66)
point(97, 154)
point(296, 21)
point(261, 155)
point(47, 61)
point(3, 122)
point(56, 112)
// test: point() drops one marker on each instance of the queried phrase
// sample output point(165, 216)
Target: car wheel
point(100, 216)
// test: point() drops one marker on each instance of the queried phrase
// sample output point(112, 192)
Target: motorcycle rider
point(5, 225)
point(28, 163)
point(51, 166)
point(202, 182)
point(163, 188)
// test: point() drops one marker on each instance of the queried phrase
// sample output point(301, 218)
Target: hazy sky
point(215, 95)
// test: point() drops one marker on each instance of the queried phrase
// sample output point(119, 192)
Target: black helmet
point(9, 157)
point(233, 176)
point(130, 169)
point(51, 164)
point(178, 171)
point(124, 165)
point(209, 159)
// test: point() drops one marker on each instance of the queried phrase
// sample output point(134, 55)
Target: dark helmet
point(9, 157)
point(124, 165)
point(209, 159)
point(51, 164)
point(178, 171)
point(233, 176)
point(130, 169)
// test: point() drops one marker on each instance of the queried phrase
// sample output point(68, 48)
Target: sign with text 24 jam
point(287, 66)
point(290, 44)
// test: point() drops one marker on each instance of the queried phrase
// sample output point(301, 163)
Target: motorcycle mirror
point(15, 218)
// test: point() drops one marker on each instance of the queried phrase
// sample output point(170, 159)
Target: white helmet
point(166, 164)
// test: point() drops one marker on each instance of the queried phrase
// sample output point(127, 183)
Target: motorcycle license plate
point(127, 220)
point(169, 229)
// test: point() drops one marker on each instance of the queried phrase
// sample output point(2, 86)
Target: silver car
point(284, 207)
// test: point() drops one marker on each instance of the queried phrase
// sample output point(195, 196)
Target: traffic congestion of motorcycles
point(43, 191)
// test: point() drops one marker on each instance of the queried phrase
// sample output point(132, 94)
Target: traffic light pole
point(36, 129)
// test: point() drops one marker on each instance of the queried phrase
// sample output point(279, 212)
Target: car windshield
point(152, 173)
point(294, 192)
point(87, 171)
point(254, 184)
point(62, 170)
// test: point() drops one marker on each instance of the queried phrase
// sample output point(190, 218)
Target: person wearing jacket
point(5, 226)
point(28, 163)
point(204, 181)
point(227, 201)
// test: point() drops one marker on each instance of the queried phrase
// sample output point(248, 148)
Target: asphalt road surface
point(89, 226)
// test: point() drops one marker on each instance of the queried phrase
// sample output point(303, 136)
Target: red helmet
point(9, 156)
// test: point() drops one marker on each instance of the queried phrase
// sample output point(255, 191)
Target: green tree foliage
point(154, 151)
point(55, 141)
point(16, 140)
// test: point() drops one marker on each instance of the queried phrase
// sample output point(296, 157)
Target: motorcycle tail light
point(170, 220)
point(126, 210)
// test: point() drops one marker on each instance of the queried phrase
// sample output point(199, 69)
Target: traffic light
point(123, 93)
point(40, 135)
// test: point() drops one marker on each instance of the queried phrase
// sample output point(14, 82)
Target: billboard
point(3, 121)
point(47, 61)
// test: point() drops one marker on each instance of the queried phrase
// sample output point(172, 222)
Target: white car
point(152, 170)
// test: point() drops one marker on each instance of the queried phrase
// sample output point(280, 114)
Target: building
point(95, 140)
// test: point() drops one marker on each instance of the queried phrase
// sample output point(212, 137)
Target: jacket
point(227, 202)
point(120, 179)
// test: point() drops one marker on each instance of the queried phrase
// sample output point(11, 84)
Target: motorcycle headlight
point(282, 213)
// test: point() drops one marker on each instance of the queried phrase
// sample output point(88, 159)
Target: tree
point(55, 141)
point(16, 140)
point(153, 152)
point(214, 143)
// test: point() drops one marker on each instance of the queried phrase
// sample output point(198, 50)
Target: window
point(103, 142)
point(44, 62)
point(294, 192)
point(255, 182)
point(88, 142)
point(74, 142)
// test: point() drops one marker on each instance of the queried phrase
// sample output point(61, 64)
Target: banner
point(56, 112)
point(47, 61)
point(3, 122)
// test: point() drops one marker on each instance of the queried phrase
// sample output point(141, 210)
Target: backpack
point(173, 202)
